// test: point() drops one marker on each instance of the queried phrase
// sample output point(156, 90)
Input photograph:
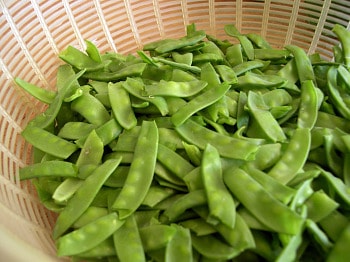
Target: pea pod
point(144, 161)
point(127, 241)
point(200, 136)
point(55, 168)
point(293, 158)
point(179, 247)
point(221, 205)
point(344, 36)
point(121, 105)
point(88, 236)
point(43, 95)
point(199, 102)
point(261, 203)
point(48, 142)
point(84, 196)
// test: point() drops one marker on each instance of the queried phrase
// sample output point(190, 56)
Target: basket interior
point(34, 32)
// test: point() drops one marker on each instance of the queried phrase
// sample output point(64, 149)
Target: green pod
point(266, 208)
point(143, 162)
point(84, 196)
point(88, 236)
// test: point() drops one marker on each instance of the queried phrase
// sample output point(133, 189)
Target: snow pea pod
point(227, 74)
point(246, 44)
point(293, 158)
point(43, 95)
point(198, 135)
point(91, 109)
point(344, 37)
point(211, 247)
point(266, 208)
point(143, 162)
point(270, 54)
point(185, 67)
point(136, 87)
point(156, 236)
point(90, 215)
point(220, 202)
point(308, 107)
point(248, 66)
point(182, 42)
point(176, 89)
point(320, 205)
point(75, 130)
point(78, 59)
point(336, 93)
point(121, 105)
point(259, 41)
point(48, 142)
point(302, 62)
point(92, 151)
point(54, 168)
point(263, 124)
point(66, 189)
point(127, 241)
point(179, 247)
point(199, 102)
point(88, 236)
point(84, 196)
point(131, 70)
point(185, 58)
point(234, 54)
point(173, 161)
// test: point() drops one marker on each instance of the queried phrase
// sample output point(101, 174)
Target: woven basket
point(34, 32)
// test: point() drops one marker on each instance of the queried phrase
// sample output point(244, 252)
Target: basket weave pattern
point(32, 33)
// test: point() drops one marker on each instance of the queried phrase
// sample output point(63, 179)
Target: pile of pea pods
point(196, 149)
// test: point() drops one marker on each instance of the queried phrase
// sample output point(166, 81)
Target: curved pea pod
point(182, 58)
point(173, 161)
point(156, 236)
point(121, 105)
point(175, 65)
point(221, 205)
point(198, 226)
point(88, 236)
point(127, 241)
point(308, 107)
point(136, 88)
point(234, 54)
point(84, 196)
point(90, 215)
point(266, 156)
point(335, 93)
point(105, 249)
point(92, 151)
point(320, 205)
point(227, 74)
point(182, 42)
point(43, 95)
point(302, 62)
point(107, 132)
point(211, 247)
point(277, 97)
point(75, 130)
point(294, 157)
point(332, 121)
point(253, 81)
point(183, 203)
point(263, 124)
point(344, 37)
point(200, 136)
point(64, 87)
point(179, 247)
point(176, 89)
point(131, 70)
point(248, 66)
point(199, 102)
point(54, 168)
point(266, 208)
point(66, 189)
point(281, 192)
point(91, 109)
point(48, 142)
point(141, 171)
point(246, 44)
point(271, 54)
point(78, 59)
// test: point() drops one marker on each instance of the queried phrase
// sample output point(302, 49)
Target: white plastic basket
point(32, 33)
